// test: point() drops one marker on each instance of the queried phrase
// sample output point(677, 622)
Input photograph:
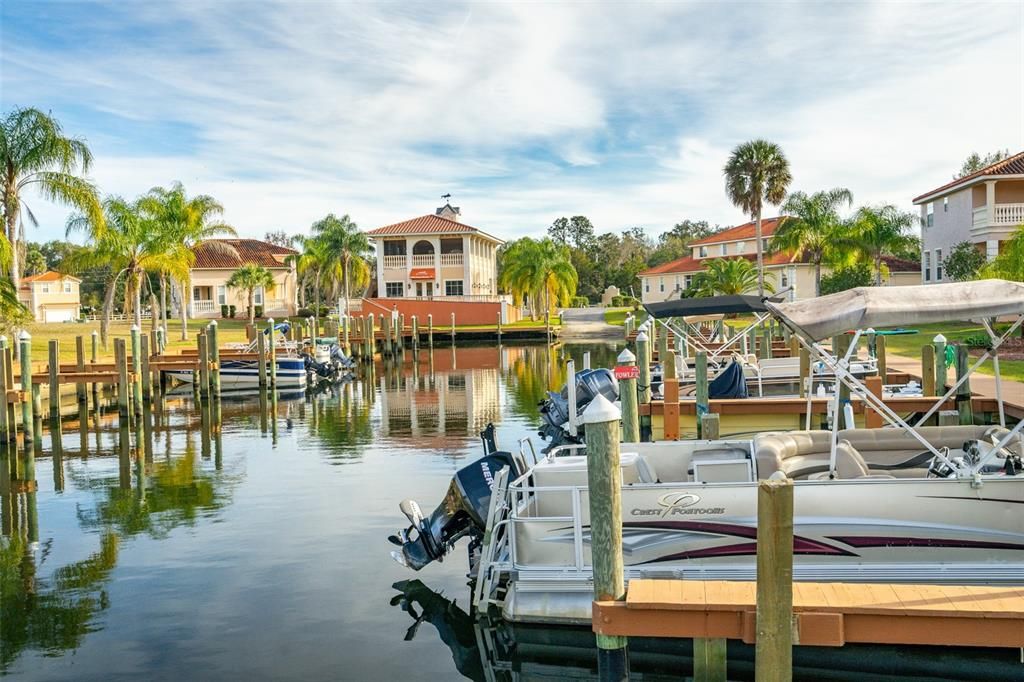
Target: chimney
point(450, 212)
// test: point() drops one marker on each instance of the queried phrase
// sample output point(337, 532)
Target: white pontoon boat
point(907, 503)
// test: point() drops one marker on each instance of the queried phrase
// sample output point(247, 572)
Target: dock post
point(883, 365)
point(204, 365)
point(147, 378)
point(213, 348)
point(963, 392)
point(499, 333)
point(628, 399)
point(604, 479)
point(709, 426)
point(805, 373)
point(766, 344)
point(430, 329)
point(586, 359)
point(121, 364)
point(385, 328)
point(547, 325)
point(54, 375)
point(80, 366)
point(662, 341)
point(794, 344)
point(709, 659)
point(400, 337)
point(6, 420)
point(261, 362)
point(570, 390)
point(136, 369)
point(703, 405)
point(368, 343)
point(840, 345)
point(415, 333)
point(93, 357)
point(25, 353)
point(940, 364)
point(272, 352)
point(453, 328)
point(928, 370)
point(774, 647)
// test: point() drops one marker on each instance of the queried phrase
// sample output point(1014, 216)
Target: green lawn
point(909, 345)
point(617, 316)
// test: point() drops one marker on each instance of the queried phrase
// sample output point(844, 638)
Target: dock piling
point(80, 366)
point(261, 362)
point(880, 357)
point(774, 646)
point(272, 352)
point(54, 376)
point(453, 327)
point(204, 365)
point(628, 399)
point(499, 334)
point(213, 348)
point(137, 369)
point(701, 390)
point(121, 363)
point(940, 364)
point(963, 392)
point(928, 370)
point(27, 390)
point(6, 417)
point(147, 378)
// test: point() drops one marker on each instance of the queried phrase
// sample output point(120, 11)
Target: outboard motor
point(589, 384)
point(463, 511)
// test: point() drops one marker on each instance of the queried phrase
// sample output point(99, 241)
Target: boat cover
point(709, 305)
point(877, 307)
point(730, 383)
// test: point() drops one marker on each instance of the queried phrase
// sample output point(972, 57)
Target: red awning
point(421, 273)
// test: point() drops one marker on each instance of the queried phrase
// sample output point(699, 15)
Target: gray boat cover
point(710, 305)
point(879, 307)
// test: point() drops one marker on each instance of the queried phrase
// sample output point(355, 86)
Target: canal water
point(175, 550)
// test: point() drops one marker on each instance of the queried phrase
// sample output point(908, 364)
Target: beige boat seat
point(572, 471)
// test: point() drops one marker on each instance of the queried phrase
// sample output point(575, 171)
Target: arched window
point(422, 247)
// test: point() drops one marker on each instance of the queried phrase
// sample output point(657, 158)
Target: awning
point(421, 273)
point(879, 307)
point(710, 305)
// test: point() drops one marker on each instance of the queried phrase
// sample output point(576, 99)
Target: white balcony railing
point(200, 307)
point(423, 260)
point(1009, 214)
point(1003, 216)
point(451, 259)
point(394, 261)
point(275, 305)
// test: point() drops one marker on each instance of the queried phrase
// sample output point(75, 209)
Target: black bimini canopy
point(710, 305)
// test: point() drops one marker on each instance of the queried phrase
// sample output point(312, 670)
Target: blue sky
point(524, 112)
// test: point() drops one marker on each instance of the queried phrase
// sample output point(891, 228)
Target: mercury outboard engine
point(589, 383)
point(463, 511)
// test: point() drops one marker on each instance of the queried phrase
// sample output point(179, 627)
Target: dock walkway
point(981, 384)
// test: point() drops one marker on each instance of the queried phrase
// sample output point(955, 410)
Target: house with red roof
point(436, 256)
point(214, 264)
point(782, 270)
point(51, 296)
point(983, 208)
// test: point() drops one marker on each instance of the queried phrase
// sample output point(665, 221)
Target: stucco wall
point(950, 226)
point(284, 290)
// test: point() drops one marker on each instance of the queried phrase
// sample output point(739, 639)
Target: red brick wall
point(466, 312)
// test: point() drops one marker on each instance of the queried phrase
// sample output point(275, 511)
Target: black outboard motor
point(589, 383)
point(463, 511)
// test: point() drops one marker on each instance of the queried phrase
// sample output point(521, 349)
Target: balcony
point(395, 262)
point(423, 260)
point(1005, 217)
point(451, 259)
point(203, 308)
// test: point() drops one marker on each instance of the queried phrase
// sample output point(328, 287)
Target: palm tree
point(346, 247)
point(191, 222)
point(251, 277)
point(757, 172)
point(312, 265)
point(35, 153)
point(883, 231)
point(728, 277)
point(541, 270)
point(12, 313)
point(812, 227)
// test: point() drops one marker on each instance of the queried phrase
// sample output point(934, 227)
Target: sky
point(524, 112)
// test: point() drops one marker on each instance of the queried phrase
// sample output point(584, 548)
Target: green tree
point(883, 231)
point(728, 277)
point(12, 313)
point(812, 227)
point(757, 172)
point(963, 262)
point(279, 238)
point(841, 279)
point(539, 273)
point(188, 223)
point(675, 243)
point(36, 154)
point(346, 248)
point(1009, 264)
point(577, 231)
point(251, 277)
point(975, 162)
point(35, 261)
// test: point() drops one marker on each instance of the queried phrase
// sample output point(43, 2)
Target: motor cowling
point(589, 384)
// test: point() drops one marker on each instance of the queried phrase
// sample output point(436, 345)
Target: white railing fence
point(451, 259)
point(394, 261)
point(1009, 214)
point(423, 260)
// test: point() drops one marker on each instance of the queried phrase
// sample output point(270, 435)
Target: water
point(259, 551)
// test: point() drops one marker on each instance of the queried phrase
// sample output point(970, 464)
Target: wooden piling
point(662, 352)
point(940, 364)
point(840, 345)
point(701, 389)
point(643, 360)
point(204, 365)
point(136, 335)
point(121, 362)
point(766, 344)
point(604, 478)
point(213, 349)
point(25, 354)
point(880, 357)
point(628, 400)
point(272, 352)
point(709, 426)
point(80, 367)
point(453, 327)
point(774, 647)
point(928, 370)
point(6, 413)
point(147, 378)
point(794, 344)
point(430, 329)
point(963, 392)
point(415, 333)
point(709, 659)
point(54, 376)
point(261, 361)
point(400, 336)
point(499, 327)
point(385, 327)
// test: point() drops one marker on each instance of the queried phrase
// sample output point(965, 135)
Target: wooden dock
point(824, 614)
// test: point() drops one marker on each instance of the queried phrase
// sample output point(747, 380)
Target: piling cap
point(625, 357)
point(939, 338)
point(3, 338)
point(600, 411)
point(270, 321)
point(134, 328)
point(642, 336)
point(95, 333)
point(213, 323)
point(869, 330)
point(24, 335)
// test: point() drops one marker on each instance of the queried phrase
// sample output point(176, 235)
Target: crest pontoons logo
point(673, 501)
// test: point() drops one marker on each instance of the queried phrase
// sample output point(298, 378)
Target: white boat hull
point(291, 373)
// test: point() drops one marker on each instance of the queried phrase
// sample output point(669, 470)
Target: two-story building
point(983, 208)
point(214, 265)
point(781, 270)
point(436, 256)
point(51, 296)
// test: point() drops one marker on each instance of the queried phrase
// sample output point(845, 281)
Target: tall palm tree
point(757, 172)
point(728, 277)
point(312, 265)
point(812, 227)
point(192, 222)
point(883, 231)
point(347, 247)
point(36, 154)
point(541, 270)
point(251, 277)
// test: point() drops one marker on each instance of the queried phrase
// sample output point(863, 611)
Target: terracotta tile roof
point(48, 276)
point(428, 224)
point(252, 251)
point(1013, 165)
point(690, 265)
point(744, 231)
point(901, 265)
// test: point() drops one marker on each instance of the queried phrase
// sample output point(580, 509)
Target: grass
point(909, 345)
point(617, 316)
point(527, 323)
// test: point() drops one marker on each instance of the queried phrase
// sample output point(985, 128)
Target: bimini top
point(710, 305)
point(880, 307)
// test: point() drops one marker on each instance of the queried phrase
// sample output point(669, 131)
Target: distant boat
point(291, 373)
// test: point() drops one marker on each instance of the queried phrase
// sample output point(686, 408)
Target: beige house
point(983, 208)
point(669, 280)
point(51, 296)
point(436, 256)
point(213, 267)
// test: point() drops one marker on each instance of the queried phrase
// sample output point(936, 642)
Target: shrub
point(231, 311)
point(617, 301)
point(304, 312)
point(846, 278)
point(963, 262)
point(580, 302)
point(224, 310)
point(322, 311)
point(259, 311)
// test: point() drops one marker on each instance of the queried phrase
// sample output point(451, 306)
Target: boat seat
point(572, 471)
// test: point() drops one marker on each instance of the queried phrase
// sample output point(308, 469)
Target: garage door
point(58, 314)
